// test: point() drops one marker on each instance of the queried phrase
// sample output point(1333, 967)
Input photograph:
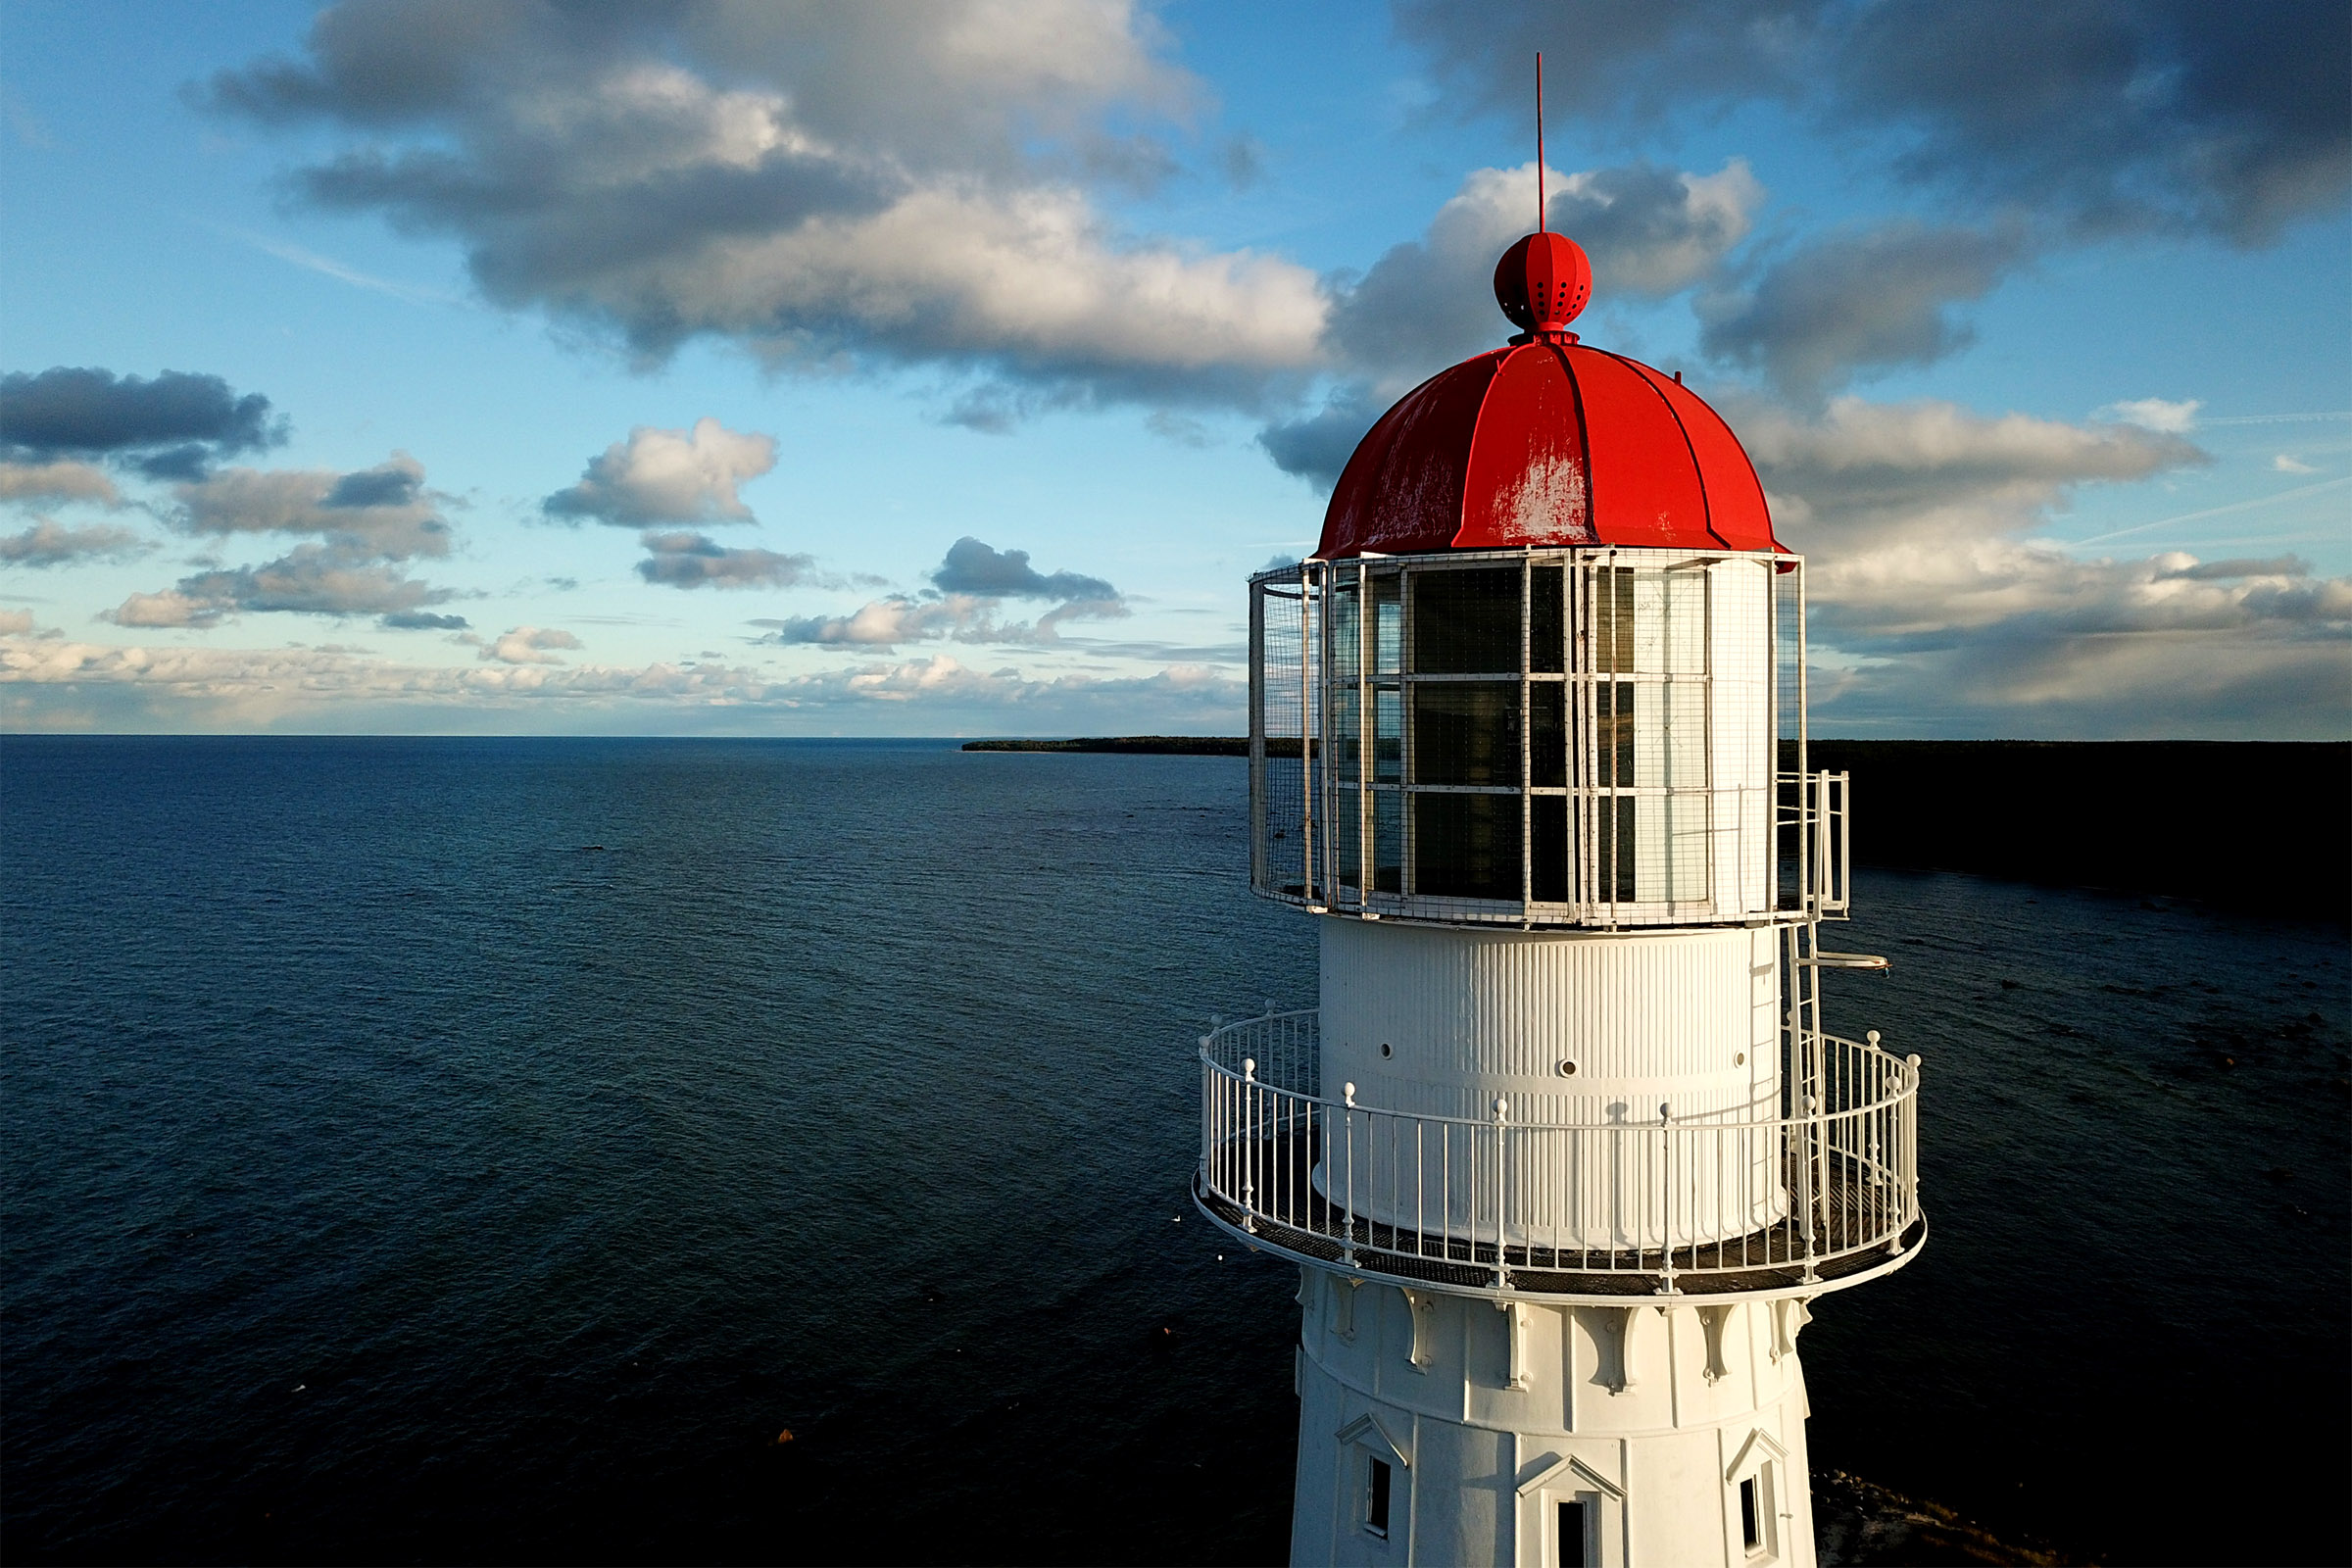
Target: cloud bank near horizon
point(778, 182)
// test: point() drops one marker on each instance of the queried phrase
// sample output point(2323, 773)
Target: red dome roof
point(1547, 443)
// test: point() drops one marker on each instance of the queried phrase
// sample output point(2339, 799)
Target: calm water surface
point(476, 1149)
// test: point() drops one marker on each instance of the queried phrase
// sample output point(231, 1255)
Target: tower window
point(1376, 1499)
point(1751, 1520)
point(1572, 1534)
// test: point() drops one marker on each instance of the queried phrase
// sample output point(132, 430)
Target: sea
point(625, 1150)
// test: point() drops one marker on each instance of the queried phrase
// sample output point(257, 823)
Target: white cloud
point(529, 645)
point(659, 477)
point(309, 580)
point(956, 617)
point(57, 483)
point(688, 560)
point(1653, 230)
point(1857, 301)
point(1429, 302)
point(54, 683)
point(967, 590)
point(2101, 117)
point(1946, 614)
point(369, 520)
point(16, 622)
point(1032, 282)
point(169, 607)
point(906, 182)
point(384, 512)
point(2154, 413)
point(884, 622)
point(49, 543)
point(1876, 468)
point(2284, 464)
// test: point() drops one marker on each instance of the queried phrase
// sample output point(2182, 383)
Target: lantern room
point(1541, 664)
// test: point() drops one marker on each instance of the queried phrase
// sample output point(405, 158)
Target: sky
point(706, 368)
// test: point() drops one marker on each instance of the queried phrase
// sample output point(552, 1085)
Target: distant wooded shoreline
point(2263, 826)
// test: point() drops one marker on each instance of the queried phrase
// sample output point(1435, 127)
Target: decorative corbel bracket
point(1423, 1308)
point(1788, 1315)
point(1711, 1320)
point(1518, 1328)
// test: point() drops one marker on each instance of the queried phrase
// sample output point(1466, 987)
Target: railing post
point(1881, 1170)
point(1812, 1134)
point(1910, 1143)
point(1249, 1123)
point(1503, 1114)
point(1666, 1220)
point(1348, 1210)
point(1208, 1118)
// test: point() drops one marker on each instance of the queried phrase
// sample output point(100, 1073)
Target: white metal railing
point(1497, 1204)
point(1817, 806)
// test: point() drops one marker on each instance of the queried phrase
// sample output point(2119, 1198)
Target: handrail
point(1250, 1072)
point(1488, 1202)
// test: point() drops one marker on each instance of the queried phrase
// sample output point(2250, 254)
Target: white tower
point(1564, 1155)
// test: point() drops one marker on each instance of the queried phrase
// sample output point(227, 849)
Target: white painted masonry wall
point(1491, 1417)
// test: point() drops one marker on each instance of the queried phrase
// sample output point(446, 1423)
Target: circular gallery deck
point(1772, 1259)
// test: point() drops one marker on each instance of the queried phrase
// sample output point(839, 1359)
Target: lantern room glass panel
point(1466, 732)
point(1388, 734)
point(1567, 737)
point(1466, 621)
point(1388, 622)
point(1467, 845)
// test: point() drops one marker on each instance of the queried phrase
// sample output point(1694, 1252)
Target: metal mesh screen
point(1561, 737)
point(1789, 735)
point(1277, 729)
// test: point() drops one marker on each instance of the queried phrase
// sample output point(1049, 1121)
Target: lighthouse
point(1565, 1154)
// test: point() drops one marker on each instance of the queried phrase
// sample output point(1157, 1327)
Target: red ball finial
point(1542, 282)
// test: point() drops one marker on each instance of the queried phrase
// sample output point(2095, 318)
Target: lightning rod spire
point(1540, 227)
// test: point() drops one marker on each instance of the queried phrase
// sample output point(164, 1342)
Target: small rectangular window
point(1572, 1536)
point(1376, 1499)
point(1752, 1523)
